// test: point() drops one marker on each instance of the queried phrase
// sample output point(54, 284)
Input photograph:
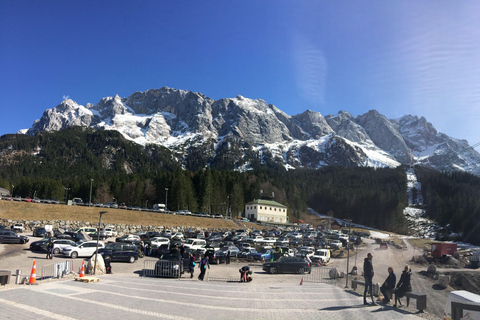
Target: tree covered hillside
point(453, 199)
point(49, 162)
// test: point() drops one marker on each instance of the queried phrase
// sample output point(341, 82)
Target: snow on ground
point(378, 234)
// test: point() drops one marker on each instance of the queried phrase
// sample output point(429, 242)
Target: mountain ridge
point(193, 125)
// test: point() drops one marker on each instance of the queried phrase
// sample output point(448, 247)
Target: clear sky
point(398, 57)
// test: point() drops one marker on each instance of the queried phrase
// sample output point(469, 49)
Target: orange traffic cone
point(33, 274)
point(82, 270)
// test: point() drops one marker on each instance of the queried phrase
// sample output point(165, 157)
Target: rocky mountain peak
point(198, 130)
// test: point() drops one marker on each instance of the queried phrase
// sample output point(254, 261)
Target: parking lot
point(126, 293)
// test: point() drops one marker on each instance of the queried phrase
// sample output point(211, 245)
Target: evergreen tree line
point(452, 199)
point(60, 164)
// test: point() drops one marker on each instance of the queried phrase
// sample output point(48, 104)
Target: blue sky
point(398, 57)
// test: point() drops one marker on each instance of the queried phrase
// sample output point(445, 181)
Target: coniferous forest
point(62, 164)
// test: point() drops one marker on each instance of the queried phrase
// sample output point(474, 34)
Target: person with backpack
point(50, 246)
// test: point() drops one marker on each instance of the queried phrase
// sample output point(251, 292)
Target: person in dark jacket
point(403, 285)
point(388, 285)
point(368, 275)
point(203, 267)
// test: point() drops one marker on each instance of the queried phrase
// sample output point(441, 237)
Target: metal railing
point(159, 268)
point(319, 275)
point(56, 270)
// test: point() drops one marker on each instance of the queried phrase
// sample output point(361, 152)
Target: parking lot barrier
point(56, 270)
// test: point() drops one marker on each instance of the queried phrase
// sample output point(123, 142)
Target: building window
point(260, 207)
point(255, 207)
point(270, 208)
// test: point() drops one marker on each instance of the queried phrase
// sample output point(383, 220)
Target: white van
point(86, 230)
point(465, 298)
point(194, 243)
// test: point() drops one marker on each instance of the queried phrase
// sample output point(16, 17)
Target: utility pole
point(348, 250)
point(90, 201)
point(166, 198)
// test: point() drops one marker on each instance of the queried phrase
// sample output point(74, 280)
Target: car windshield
point(223, 248)
point(189, 241)
point(110, 245)
point(281, 259)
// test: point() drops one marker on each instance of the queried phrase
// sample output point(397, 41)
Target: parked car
point(40, 232)
point(383, 245)
point(8, 236)
point(246, 252)
point(18, 227)
point(40, 245)
point(336, 244)
point(110, 232)
point(129, 238)
point(119, 252)
point(194, 243)
point(101, 235)
point(287, 265)
point(156, 242)
point(322, 255)
point(27, 199)
point(82, 249)
point(169, 265)
point(59, 244)
point(221, 254)
point(263, 254)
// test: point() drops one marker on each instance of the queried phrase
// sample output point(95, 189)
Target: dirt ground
point(11, 210)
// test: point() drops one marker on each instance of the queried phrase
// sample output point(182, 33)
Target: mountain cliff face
point(234, 132)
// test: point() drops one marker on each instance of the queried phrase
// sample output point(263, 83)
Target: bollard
point(18, 273)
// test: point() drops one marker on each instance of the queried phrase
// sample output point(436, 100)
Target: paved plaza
point(124, 296)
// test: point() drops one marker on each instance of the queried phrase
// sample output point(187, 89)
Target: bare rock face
point(385, 135)
point(345, 126)
point(198, 129)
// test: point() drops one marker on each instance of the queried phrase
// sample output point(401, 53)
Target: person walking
point(368, 275)
point(49, 249)
point(191, 264)
point(388, 285)
point(227, 258)
point(203, 267)
point(403, 285)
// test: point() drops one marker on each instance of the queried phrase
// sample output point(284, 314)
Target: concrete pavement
point(129, 296)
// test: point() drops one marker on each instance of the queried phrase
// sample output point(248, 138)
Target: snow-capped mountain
point(241, 130)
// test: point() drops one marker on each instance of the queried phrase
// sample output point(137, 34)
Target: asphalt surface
point(125, 293)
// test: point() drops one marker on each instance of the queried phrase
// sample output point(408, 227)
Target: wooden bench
point(356, 282)
point(420, 297)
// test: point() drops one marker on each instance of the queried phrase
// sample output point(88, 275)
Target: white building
point(266, 211)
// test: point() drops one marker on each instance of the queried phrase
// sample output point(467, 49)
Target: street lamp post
point(90, 201)
point(12, 189)
point(98, 239)
point(166, 198)
point(348, 250)
point(226, 210)
point(66, 195)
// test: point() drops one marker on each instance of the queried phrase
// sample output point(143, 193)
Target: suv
point(7, 236)
point(119, 252)
point(82, 249)
point(18, 227)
